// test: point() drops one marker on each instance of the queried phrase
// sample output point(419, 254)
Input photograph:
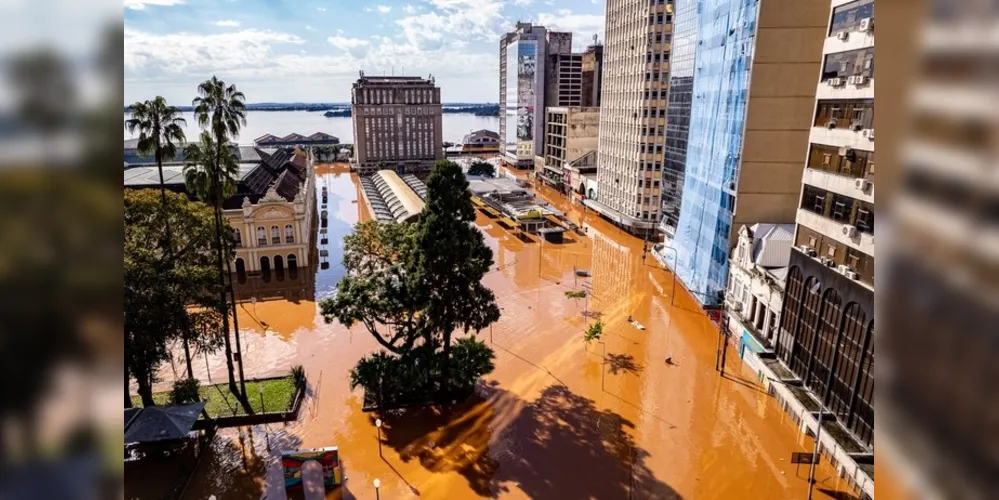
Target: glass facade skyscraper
point(681, 86)
point(726, 35)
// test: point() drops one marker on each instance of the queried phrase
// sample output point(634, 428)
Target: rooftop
point(772, 244)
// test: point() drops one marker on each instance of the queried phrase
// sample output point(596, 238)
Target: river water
point(556, 420)
point(281, 123)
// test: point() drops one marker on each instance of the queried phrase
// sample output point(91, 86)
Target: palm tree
point(221, 112)
point(160, 132)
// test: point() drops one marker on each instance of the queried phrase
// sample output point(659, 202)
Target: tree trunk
point(163, 201)
point(235, 327)
point(145, 388)
point(187, 358)
point(219, 221)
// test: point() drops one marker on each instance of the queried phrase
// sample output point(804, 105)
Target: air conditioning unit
point(831, 124)
point(850, 273)
point(826, 261)
point(736, 306)
point(843, 35)
point(870, 134)
point(846, 151)
point(843, 268)
point(857, 80)
point(866, 24)
point(860, 184)
point(856, 126)
point(835, 82)
point(807, 250)
point(849, 231)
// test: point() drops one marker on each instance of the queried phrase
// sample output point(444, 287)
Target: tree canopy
point(482, 168)
point(413, 285)
point(166, 292)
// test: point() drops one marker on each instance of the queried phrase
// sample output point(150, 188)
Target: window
point(841, 208)
point(261, 236)
point(237, 238)
point(847, 17)
point(865, 219)
point(289, 233)
point(275, 235)
point(850, 63)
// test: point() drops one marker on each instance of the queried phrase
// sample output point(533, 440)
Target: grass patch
point(278, 396)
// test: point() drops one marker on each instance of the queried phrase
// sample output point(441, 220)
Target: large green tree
point(221, 111)
point(414, 285)
point(166, 291)
point(483, 168)
point(453, 258)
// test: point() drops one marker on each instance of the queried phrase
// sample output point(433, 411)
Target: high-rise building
point(681, 86)
point(570, 134)
point(528, 56)
point(635, 80)
point(750, 115)
point(827, 323)
point(593, 61)
point(397, 123)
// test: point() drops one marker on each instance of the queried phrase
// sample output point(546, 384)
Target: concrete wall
point(781, 104)
point(581, 132)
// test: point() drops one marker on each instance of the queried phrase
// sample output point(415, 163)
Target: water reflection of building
point(293, 285)
point(612, 267)
point(272, 212)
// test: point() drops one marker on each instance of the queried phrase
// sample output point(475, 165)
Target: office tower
point(397, 123)
point(681, 86)
point(593, 61)
point(525, 66)
point(753, 94)
point(635, 79)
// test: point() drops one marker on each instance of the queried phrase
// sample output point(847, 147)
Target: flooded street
point(557, 419)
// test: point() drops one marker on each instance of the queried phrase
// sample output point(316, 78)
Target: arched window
point(237, 238)
point(289, 233)
point(261, 236)
point(292, 261)
point(265, 264)
point(275, 235)
point(241, 270)
point(278, 263)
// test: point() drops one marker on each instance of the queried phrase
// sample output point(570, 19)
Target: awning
point(160, 423)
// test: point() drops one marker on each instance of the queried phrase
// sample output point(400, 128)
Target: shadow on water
point(617, 363)
point(838, 495)
point(236, 466)
point(597, 457)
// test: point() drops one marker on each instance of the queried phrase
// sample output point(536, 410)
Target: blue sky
point(311, 50)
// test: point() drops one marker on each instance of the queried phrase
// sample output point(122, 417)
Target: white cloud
point(355, 47)
point(384, 9)
point(582, 26)
point(457, 20)
point(237, 52)
point(142, 4)
point(227, 23)
point(549, 2)
point(523, 3)
point(309, 27)
point(410, 9)
point(321, 9)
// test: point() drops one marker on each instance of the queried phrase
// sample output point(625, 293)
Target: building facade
point(272, 213)
point(524, 66)
point(397, 124)
point(570, 133)
point(751, 112)
point(635, 81)
point(827, 326)
point(679, 101)
point(593, 62)
point(480, 141)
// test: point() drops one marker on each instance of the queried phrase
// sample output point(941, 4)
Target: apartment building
point(635, 80)
point(527, 56)
point(570, 134)
point(751, 104)
point(397, 124)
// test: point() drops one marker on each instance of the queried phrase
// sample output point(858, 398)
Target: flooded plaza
point(557, 419)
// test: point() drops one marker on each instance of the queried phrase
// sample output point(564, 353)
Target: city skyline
point(313, 49)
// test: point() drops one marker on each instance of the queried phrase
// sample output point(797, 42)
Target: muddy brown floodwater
point(557, 419)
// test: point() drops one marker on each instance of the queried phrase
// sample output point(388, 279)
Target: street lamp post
point(378, 485)
point(378, 426)
point(676, 260)
point(260, 391)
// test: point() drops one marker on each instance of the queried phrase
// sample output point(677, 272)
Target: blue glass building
point(726, 32)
